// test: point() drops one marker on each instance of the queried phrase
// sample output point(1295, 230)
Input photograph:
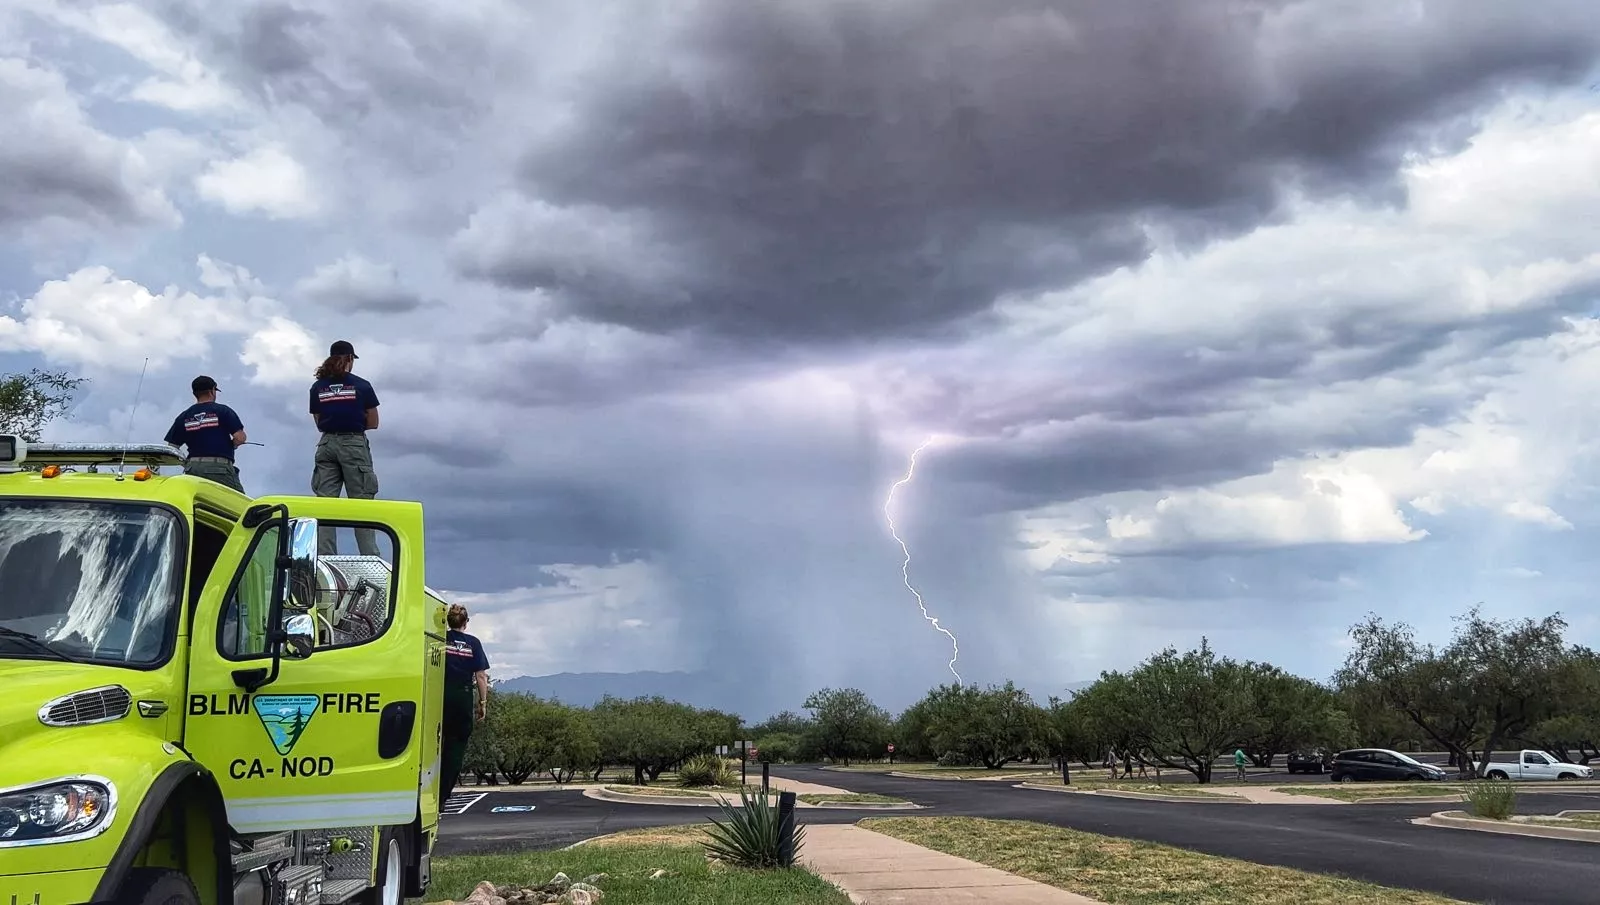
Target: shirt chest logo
point(337, 393)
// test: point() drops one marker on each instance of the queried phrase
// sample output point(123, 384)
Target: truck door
point(1537, 765)
point(334, 739)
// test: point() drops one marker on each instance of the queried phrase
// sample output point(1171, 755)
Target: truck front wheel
point(157, 887)
point(391, 871)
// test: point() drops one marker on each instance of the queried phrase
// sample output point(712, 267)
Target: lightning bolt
point(905, 566)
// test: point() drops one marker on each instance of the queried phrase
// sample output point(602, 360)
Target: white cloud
point(181, 81)
point(596, 619)
point(1497, 227)
point(282, 352)
point(266, 180)
point(355, 283)
point(97, 320)
point(56, 167)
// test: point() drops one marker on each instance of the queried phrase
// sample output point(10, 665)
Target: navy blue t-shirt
point(463, 656)
point(341, 403)
point(207, 429)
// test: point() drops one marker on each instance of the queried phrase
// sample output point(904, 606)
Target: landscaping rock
point(560, 890)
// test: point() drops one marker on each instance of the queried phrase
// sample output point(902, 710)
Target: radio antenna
point(129, 438)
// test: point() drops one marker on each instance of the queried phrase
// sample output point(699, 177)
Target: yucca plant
point(751, 836)
point(1492, 799)
point(705, 770)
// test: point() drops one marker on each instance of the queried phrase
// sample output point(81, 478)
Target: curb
point(1451, 820)
point(1141, 796)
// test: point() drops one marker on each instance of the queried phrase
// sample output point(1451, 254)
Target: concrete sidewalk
point(874, 869)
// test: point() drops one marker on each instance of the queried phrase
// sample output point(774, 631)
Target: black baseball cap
point(203, 384)
point(342, 347)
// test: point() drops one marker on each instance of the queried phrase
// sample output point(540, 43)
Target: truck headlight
point(56, 811)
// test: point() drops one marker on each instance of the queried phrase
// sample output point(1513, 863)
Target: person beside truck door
point(211, 432)
point(465, 666)
point(343, 407)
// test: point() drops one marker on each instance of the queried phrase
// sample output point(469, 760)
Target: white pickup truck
point(1531, 764)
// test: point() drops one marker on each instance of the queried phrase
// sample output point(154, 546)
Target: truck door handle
point(395, 724)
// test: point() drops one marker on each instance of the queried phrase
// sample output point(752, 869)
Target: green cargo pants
point(214, 468)
point(345, 460)
point(460, 712)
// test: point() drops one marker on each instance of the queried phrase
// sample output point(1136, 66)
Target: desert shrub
point(751, 835)
point(1493, 799)
point(706, 770)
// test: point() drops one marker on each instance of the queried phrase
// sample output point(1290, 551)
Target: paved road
point(1368, 842)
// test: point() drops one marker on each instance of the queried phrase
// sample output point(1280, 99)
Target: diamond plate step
point(341, 891)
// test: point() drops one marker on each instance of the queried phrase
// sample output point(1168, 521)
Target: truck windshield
point(88, 581)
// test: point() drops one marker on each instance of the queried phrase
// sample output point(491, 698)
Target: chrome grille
point(96, 705)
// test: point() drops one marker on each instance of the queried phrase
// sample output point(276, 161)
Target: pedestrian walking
point(344, 407)
point(1238, 763)
point(211, 432)
point(465, 666)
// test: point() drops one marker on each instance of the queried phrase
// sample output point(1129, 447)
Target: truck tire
point(391, 877)
point(150, 886)
point(1498, 774)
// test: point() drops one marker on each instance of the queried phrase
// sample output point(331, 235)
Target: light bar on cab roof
point(150, 455)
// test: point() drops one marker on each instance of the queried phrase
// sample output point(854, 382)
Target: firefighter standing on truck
point(465, 665)
point(211, 431)
point(344, 407)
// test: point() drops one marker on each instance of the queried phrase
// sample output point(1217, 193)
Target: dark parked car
point(1312, 760)
point(1382, 765)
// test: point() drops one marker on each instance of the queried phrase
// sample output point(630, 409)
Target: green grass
point(628, 864)
point(1357, 791)
point(849, 798)
point(1128, 872)
point(1580, 820)
point(1176, 787)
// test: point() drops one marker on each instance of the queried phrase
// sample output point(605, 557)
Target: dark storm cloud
point(53, 164)
point(864, 169)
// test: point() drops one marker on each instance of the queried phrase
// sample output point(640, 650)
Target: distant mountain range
point(701, 689)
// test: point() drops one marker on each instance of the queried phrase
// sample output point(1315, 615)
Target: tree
point(1289, 712)
point(992, 726)
point(650, 734)
point(1573, 734)
point(846, 724)
point(1494, 682)
point(1177, 710)
point(30, 401)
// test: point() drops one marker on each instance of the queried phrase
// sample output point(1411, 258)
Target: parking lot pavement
point(1376, 842)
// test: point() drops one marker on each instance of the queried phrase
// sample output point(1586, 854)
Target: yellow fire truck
point(196, 707)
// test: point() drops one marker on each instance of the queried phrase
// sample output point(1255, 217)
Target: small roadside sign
point(891, 749)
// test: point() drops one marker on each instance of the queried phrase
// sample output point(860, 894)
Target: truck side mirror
point(300, 590)
point(299, 636)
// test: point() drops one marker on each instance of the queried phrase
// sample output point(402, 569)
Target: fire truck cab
point(197, 707)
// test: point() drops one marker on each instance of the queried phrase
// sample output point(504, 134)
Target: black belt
point(344, 433)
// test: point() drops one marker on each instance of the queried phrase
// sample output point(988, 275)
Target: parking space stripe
point(457, 804)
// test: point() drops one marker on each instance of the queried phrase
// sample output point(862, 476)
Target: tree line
point(1495, 685)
